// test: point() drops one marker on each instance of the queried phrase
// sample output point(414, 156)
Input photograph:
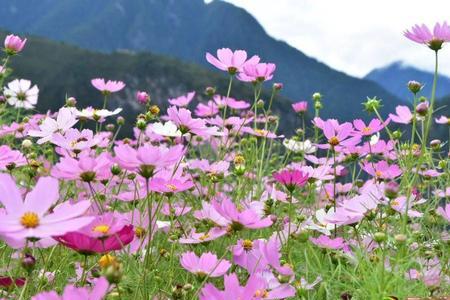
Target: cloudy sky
point(353, 36)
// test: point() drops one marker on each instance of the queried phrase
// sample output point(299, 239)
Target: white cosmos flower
point(65, 120)
point(91, 113)
point(167, 129)
point(374, 138)
point(298, 146)
point(20, 94)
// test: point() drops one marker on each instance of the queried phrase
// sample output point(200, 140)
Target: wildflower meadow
point(207, 200)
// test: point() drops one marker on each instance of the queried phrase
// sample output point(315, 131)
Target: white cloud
point(353, 36)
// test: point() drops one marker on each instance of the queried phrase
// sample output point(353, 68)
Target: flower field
point(207, 200)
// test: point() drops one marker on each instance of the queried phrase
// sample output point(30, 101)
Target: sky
point(354, 36)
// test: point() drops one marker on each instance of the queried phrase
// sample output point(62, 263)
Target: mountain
point(394, 78)
point(186, 29)
point(62, 70)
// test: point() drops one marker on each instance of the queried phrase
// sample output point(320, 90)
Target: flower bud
point(317, 97)
point(318, 105)
point(120, 120)
point(396, 135)
point(141, 124)
point(142, 97)
point(372, 104)
point(422, 108)
point(71, 102)
point(277, 86)
point(154, 109)
point(110, 127)
point(27, 143)
point(379, 237)
point(435, 145)
point(260, 103)
point(14, 44)
point(115, 169)
point(28, 262)
point(391, 189)
point(400, 238)
point(114, 273)
point(414, 86)
point(210, 91)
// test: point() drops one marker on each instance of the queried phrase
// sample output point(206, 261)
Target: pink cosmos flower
point(382, 169)
point(105, 233)
point(76, 141)
point(233, 290)
point(10, 158)
point(215, 168)
point(257, 72)
point(142, 97)
point(291, 178)
point(300, 107)
point(422, 34)
point(444, 211)
point(30, 218)
point(232, 62)
point(207, 110)
point(147, 159)
point(107, 87)
point(71, 292)
point(324, 241)
point(403, 116)
point(239, 219)
point(223, 101)
point(175, 209)
point(182, 101)
point(84, 168)
point(141, 228)
point(373, 127)
point(171, 185)
point(186, 124)
point(261, 133)
point(338, 135)
point(205, 265)
point(64, 121)
point(443, 120)
point(14, 44)
point(195, 237)
point(400, 204)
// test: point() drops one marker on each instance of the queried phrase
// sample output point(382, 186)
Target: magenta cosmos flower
point(403, 116)
point(300, 107)
point(14, 44)
point(84, 168)
point(105, 233)
point(257, 72)
point(71, 292)
point(183, 100)
point(422, 34)
point(338, 134)
point(142, 97)
point(31, 218)
point(147, 158)
point(238, 219)
point(373, 127)
point(382, 170)
point(232, 62)
point(291, 178)
point(106, 87)
point(324, 241)
point(205, 265)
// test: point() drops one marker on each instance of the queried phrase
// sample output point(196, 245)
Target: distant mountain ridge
point(186, 29)
point(394, 78)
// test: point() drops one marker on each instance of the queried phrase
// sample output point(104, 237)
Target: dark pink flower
point(300, 107)
point(291, 178)
point(14, 44)
point(142, 97)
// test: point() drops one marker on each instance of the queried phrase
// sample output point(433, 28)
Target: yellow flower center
point(171, 187)
point(139, 231)
point(260, 132)
point(379, 173)
point(106, 260)
point(204, 237)
point(29, 220)
point(334, 141)
point(247, 245)
point(366, 130)
point(261, 293)
point(101, 228)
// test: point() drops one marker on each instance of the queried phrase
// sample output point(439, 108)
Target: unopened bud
point(277, 86)
point(317, 97)
point(141, 124)
point(379, 237)
point(120, 121)
point(414, 86)
point(210, 91)
point(27, 143)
